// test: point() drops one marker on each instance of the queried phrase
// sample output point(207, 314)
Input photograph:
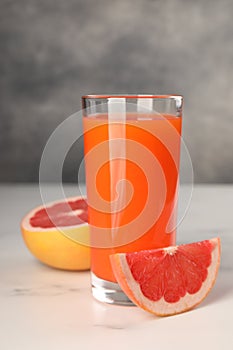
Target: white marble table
point(43, 308)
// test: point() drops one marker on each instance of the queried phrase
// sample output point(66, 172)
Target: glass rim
point(132, 96)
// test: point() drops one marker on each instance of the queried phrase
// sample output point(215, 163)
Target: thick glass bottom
point(108, 292)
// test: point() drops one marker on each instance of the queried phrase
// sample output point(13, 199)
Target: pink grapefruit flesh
point(72, 212)
point(170, 280)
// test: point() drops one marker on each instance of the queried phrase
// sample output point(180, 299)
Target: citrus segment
point(169, 280)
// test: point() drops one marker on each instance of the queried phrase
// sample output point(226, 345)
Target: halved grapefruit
point(170, 280)
point(58, 234)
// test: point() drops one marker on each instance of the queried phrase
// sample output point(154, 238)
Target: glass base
point(109, 292)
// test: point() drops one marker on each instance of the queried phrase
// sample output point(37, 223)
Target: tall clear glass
point(132, 153)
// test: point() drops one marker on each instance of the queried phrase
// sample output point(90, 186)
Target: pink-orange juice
point(155, 135)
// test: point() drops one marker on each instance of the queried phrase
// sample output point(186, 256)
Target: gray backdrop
point(53, 51)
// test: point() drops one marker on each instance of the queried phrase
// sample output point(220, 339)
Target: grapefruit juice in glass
point(132, 152)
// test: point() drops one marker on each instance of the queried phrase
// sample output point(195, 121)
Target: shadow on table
point(222, 288)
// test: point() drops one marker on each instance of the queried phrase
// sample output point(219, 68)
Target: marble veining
point(43, 291)
point(110, 326)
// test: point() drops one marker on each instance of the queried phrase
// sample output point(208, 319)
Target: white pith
point(26, 220)
point(161, 307)
point(171, 250)
point(75, 212)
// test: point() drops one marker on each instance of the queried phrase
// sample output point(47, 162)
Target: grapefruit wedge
point(58, 234)
point(170, 280)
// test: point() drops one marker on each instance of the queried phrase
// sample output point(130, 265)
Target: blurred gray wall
point(53, 51)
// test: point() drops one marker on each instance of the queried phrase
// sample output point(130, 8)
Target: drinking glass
point(132, 153)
